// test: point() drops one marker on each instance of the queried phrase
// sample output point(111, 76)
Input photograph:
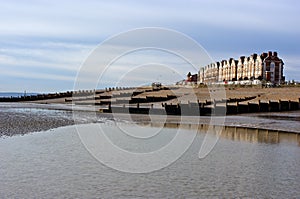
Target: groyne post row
point(37, 97)
point(270, 106)
point(208, 108)
point(118, 88)
point(130, 97)
point(68, 94)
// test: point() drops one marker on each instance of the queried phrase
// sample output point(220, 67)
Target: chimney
point(254, 56)
point(269, 53)
point(263, 55)
point(275, 54)
point(242, 58)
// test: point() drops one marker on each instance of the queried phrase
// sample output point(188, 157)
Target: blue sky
point(44, 43)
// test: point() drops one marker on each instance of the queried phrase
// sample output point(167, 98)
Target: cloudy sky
point(43, 44)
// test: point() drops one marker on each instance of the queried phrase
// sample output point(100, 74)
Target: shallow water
point(244, 163)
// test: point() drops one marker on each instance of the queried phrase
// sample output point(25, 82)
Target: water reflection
point(253, 135)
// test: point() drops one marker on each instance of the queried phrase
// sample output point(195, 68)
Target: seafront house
point(267, 66)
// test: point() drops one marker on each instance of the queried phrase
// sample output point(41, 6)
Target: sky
point(43, 44)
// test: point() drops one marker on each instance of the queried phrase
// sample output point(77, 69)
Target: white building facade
point(267, 66)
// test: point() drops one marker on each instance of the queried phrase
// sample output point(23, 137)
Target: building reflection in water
point(252, 135)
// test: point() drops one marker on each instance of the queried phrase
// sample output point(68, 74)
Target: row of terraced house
point(267, 66)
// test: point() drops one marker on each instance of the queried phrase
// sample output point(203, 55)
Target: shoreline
point(23, 118)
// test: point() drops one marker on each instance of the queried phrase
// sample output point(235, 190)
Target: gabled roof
point(272, 57)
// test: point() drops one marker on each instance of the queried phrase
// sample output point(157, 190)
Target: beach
point(192, 94)
point(22, 118)
point(149, 99)
point(255, 155)
point(39, 115)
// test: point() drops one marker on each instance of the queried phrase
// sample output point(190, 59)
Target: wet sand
point(22, 118)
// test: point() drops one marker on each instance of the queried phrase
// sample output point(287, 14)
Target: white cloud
point(48, 55)
point(103, 18)
point(36, 75)
point(51, 39)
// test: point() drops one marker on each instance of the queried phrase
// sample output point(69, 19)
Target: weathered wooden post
point(214, 107)
point(109, 107)
point(248, 107)
point(226, 105)
point(279, 105)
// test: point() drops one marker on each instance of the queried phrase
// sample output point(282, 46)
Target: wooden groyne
point(150, 100)
point(120, 96)
point(207, 108)
point(270, 106)
point(36, 97)
point(80, 95)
